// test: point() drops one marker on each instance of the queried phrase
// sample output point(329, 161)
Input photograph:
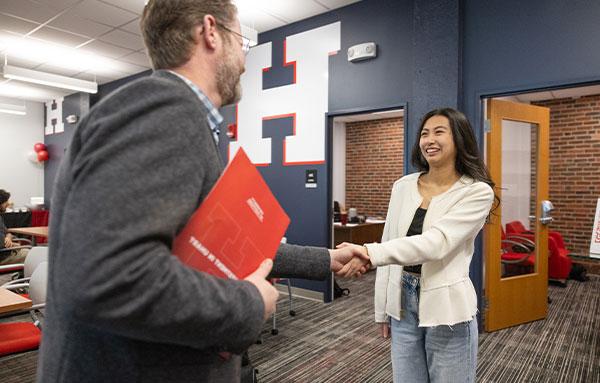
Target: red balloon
point(42, 156)
point(38, 147)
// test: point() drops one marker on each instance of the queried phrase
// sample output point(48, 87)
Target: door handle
point(547, 208)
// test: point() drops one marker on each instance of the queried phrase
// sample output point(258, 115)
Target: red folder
point(238, 225)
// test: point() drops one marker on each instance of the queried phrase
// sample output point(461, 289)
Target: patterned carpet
point(338, 342)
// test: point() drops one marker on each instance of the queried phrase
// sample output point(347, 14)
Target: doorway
point(367, 158)
point(530, 164)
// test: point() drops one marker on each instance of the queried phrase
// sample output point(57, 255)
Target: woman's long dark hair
point(468, 161)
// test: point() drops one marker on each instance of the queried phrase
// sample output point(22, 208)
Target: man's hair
point(4, 196)
point(167, 27)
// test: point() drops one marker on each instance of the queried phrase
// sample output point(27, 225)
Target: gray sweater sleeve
point(131, 178)
point(305, 262)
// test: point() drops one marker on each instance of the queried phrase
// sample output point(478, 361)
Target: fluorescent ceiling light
point(38, 51)
point(13, 109)
point(24, 91)
point(49, 79)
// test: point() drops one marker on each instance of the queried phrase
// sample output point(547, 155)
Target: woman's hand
point(384, 330)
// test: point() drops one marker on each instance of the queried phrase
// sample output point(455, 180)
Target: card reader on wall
point(361, 52)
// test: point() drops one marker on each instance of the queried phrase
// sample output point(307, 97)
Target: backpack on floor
point(339, 291)
point(578, 273)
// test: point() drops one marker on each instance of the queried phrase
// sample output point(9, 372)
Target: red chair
point(559, 263)
point(516, 227)
point(517, 256)
point(24, 336)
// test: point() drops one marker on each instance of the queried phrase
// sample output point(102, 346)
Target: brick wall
point(374, 158)
point(574, 168)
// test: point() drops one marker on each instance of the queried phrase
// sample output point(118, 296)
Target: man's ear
point(207, 33)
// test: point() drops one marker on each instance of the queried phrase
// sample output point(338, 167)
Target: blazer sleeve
point(292, 261)
point(129, 190)
point(382, 277)
point(462, 222)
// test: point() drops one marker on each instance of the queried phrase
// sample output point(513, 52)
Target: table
point(10, 301)
point(358, 233)
point(37, 231)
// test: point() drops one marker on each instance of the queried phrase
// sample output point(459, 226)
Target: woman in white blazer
point(422, 289)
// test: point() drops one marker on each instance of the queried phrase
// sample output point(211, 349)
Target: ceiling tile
point(138, 59)
point(293, 10)
point(123, 39)
point(14, 24)
point(105, 49)
point(72, 23)
point(103, 13)
point(135, 6)
point(59, 37)
point(260, 21)
point(128, 68)
point(59, 5)
point(132, 27)
point(28, 10)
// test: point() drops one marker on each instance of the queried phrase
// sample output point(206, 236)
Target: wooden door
point(518, 160)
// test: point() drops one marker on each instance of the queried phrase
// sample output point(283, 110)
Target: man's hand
point(356, 266)
point(349, 254)
point(268, 293)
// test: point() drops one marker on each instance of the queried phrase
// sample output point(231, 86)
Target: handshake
point(349, 260)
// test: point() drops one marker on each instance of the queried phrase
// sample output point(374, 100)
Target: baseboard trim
point(300, 292)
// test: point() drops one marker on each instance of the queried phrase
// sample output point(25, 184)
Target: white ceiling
point(370, 116)
point(554, 94)
point(105, 36)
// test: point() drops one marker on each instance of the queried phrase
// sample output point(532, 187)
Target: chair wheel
point(292, 313)
point(274, 331)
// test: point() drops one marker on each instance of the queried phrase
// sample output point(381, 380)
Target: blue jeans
point(430, 354)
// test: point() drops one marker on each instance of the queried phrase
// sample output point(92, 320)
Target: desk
point(38, 231)
point(10, 301)
point(359, 234)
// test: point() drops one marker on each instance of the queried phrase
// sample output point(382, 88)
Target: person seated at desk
point(6, 239)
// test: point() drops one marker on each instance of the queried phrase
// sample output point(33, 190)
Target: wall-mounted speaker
point(361, 52)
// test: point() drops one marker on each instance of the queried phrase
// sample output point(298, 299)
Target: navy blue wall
point(74, 104)
point(511, 46)
point(417, 65)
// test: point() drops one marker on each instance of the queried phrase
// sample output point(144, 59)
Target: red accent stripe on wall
point(285, 63)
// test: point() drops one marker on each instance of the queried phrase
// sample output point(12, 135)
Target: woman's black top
point(416, 228)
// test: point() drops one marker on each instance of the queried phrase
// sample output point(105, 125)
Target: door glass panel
point(519, 143)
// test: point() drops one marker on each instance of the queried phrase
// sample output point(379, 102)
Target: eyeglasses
point(245, 40)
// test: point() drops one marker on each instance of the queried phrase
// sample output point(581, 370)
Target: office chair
point(274, 329)
point(24, 336)
point(517, 228)
point(559, 262)
point(35, 256)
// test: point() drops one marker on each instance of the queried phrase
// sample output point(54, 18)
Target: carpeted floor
point(338, 342)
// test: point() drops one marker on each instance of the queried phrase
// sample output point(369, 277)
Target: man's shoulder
point(156, 85)
point(150, 94)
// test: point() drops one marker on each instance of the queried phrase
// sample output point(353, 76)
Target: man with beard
point(18, 254)
point(120, 306)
